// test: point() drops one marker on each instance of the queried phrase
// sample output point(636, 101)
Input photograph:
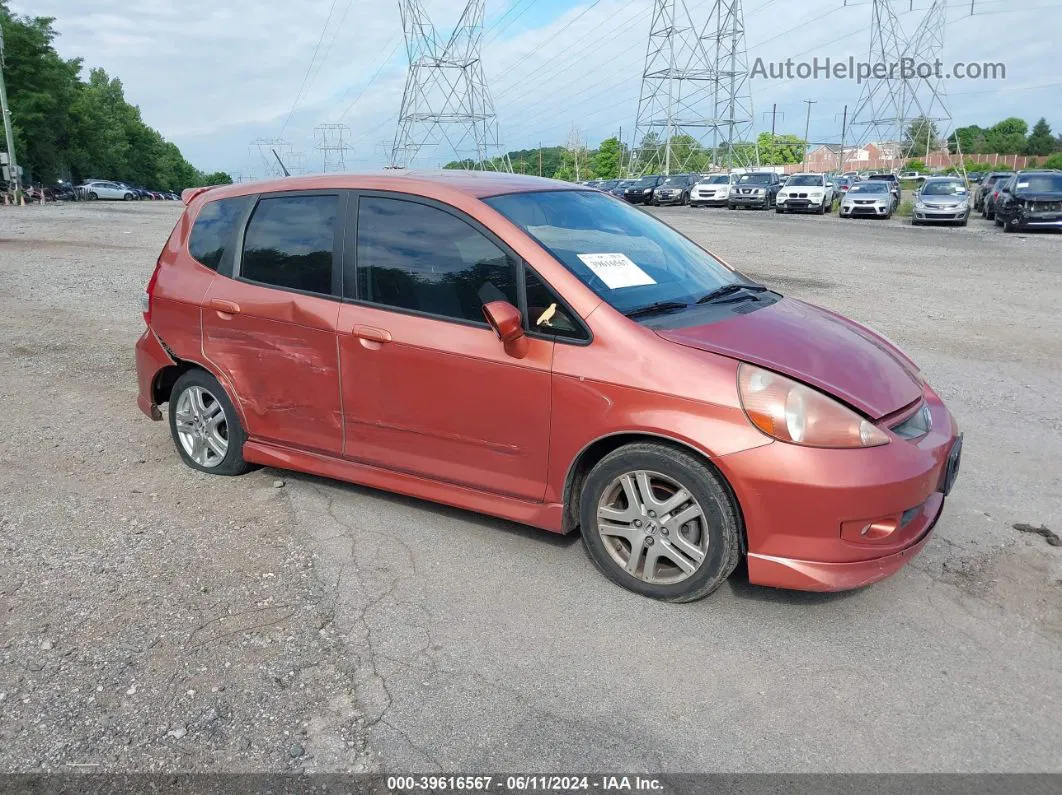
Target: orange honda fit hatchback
point(547, 354)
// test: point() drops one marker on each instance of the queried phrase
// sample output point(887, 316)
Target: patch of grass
point(906, 209)
point(910, 184)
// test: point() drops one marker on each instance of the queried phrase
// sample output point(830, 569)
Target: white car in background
point(101, 189)
point(806, 193)
point(712, 189)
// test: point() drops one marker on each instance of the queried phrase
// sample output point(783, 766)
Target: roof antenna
point(282, 166)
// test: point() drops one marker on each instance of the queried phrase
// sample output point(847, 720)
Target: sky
point(215, 75)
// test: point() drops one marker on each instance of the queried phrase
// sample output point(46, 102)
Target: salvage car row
point(1028, 199)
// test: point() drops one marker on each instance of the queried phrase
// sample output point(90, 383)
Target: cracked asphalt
point(152, 618)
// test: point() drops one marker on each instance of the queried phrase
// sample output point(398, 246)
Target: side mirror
point(505, 320)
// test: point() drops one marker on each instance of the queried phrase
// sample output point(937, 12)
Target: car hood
point(815, 346)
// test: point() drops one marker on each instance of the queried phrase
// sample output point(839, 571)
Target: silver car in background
point(869, 199)
point(941, 200)
point(101, 189)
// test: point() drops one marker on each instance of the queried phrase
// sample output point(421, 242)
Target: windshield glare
point(627, 257)
point(943, 189)
point(869, 187)
point(805, 179)
point(1040, 183)
point(755, 179)
point(645, 182)
point(720, 179)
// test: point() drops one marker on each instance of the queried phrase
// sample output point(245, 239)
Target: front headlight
point(791, 412)
point(647, 190)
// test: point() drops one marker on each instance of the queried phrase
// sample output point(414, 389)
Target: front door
point(427, 386)
point(271, 330)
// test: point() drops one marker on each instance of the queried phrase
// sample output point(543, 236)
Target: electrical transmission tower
point(695, 91)
point(269, 153)
point(446, 105)
point(911, 94)
point(331, 141)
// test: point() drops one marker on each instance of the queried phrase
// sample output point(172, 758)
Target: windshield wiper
point(652, 309)
point(729, 289)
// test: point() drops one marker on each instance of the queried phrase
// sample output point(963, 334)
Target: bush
point(917, 165)
point(1054, 161)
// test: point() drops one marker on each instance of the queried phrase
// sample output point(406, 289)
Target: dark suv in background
point(1030, 200)
point(758, 190)
point(892, 180)
point(674, 189)
point(986, 187)
point(641, 190)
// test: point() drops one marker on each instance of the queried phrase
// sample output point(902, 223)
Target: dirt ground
point(153, 618)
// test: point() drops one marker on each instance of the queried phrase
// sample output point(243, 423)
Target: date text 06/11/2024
point(523, 783)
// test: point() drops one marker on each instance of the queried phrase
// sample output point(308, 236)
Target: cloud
point(214, 75)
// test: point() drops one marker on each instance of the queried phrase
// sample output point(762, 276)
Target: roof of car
point(477, 184)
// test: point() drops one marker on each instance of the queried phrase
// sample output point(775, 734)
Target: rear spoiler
point(188, 195)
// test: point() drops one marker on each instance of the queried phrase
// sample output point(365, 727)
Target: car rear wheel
point(205, 427)
point(92, 196)
point(128, 197)
point(659, 522)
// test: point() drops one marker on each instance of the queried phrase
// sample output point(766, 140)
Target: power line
point(309, 68)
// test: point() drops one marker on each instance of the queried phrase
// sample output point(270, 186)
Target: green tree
point(605, 162)
point(780, 149)
point(1007, 137)
point(971, 140)
point(921, 136)
point(1054, 161)
point(1041, 141)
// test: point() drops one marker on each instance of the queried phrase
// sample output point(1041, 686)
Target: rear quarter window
point(214, 231)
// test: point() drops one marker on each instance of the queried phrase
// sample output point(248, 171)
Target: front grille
point(1047, 207)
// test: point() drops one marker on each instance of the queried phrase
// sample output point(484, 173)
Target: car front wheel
point(659, 522)
point(205, 427)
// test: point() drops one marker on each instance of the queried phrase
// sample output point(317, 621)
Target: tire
point(779, 210)
point(822, 209)
point(888, 215)
point(204, 393)
point(997, 221)
point(1010, 226)
point(990, 214)
point(964, 222)
point(915, 222)
point(92, 196)
point(730, 206)
point(714, 534)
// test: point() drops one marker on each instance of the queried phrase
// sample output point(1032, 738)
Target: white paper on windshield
point(1023, 184)
point(616, 270)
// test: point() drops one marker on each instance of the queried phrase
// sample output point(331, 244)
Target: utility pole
point(540, 158)
point(844, 130)
point(5, 111)
point(807, 130)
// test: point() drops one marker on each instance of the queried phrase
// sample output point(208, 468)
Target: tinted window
point(289, 243)
point(1040, 183)
point(214, 229)
point(546, 314)
point(418, 257)
point(756, 179)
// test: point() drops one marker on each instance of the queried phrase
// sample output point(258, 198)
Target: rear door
point(270, 326)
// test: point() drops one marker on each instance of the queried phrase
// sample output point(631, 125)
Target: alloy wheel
point(652, 527)
point(202, 427)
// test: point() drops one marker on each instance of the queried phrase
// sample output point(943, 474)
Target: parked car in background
point(806, 193)
point(988, 210)
point(621, 186)
point(975, 177)
point(912, 176)
point(871, 198)
point(758, 190)
point(891, 180)
point(986, 187)
point(1031, 199)
point(842, 184)
point(712, 190)
point(941, 200)
point(674, 189)
point(753, 425)
point(641, 190)
point(100, 189)
point(606, 185)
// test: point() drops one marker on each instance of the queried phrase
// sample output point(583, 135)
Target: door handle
point(224, 307)
point(372, 334)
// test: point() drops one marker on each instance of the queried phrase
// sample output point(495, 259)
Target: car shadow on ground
point(471, 517)
point(740, 587)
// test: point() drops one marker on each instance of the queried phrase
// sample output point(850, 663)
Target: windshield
point(755, 179)
point(1039, 183)
point(805, 179)
point(718, 179)
point(943, 189)
point(645, 182)
point(869, 187)
point(624, 255)
point(678, 179)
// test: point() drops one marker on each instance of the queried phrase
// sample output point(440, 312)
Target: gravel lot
point(157, 619)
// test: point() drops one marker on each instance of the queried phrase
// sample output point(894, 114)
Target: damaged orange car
point(550, 355)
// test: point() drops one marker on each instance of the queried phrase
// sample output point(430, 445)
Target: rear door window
point(214, 231)
point(289, 243)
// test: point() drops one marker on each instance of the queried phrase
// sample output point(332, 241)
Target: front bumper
point(868, 210)
point(697, 199)
point(1043, 220)
point(668, 199)
point(637, 198)
point(798, 204)
point(941, 215)
point(749, 201)
point(829, 520)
